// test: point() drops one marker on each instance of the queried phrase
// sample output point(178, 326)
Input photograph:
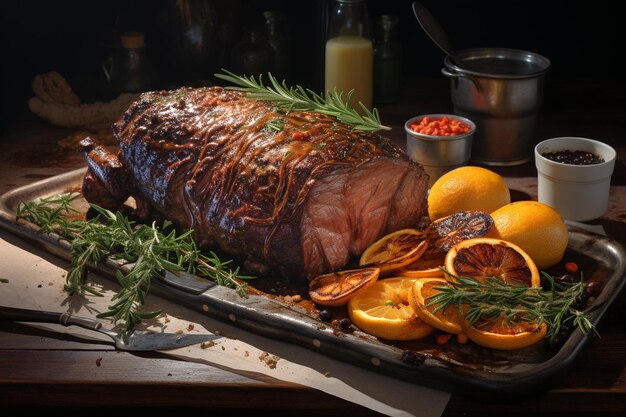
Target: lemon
point(536, 228)
point(467, 188)
point(383, 310)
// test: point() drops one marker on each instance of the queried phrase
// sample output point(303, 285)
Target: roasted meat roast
point(296, 193)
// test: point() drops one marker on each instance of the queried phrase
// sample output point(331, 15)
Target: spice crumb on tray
point(270, 360)
point(205, 345)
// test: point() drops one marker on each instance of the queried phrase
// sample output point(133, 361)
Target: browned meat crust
point(298, 193)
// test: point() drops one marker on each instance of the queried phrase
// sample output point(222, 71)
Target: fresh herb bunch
point(112, 235)
point(300, 99)
point(515, 301)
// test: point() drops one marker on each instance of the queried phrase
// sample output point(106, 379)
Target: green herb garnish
point(112, 235)
point(300, 99)
point(515, 301)
point(275, 125)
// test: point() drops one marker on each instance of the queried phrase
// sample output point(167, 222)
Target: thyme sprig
point(300, 99)
point(493, 298)
point(149, 248)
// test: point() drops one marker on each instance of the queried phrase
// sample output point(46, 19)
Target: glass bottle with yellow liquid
point(349, 52)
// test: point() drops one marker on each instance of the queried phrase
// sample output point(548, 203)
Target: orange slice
point(383, 310)
point(421, 273)
point(447, 320)
point(425, 267)
point(395, 250)
point(336, 288)
point(486, 257)
point(442, 234)
point(505, 334)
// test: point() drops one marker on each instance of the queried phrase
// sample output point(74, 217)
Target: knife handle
point(36, 316)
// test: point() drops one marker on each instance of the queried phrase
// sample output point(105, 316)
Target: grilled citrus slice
point(486, 257)
point(383, 310)
point(395, 250)
point(442, 234)
point(421, 273)
point(336, 288)
point(503, 334)
point(427, 266)
point(447, 320)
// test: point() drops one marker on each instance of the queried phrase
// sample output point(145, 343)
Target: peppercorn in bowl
point(574, 176)
point(439, 142)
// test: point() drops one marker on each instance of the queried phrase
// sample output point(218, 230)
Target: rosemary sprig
point(515, 301)
point(300, 99)
point(49, 213)
point(112, 235)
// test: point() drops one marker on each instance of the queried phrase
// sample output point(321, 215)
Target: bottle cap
point(132, 40)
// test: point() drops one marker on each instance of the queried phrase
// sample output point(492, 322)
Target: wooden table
point(39, 370)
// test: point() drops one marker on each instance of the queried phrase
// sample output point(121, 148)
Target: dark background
point(582, 39)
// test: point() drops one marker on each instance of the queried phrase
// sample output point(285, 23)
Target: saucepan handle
point(445, 71)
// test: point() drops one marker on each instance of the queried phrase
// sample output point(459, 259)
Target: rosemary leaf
point(300, 99)
point(112, 235)
point(492, 298)
point(274, 125)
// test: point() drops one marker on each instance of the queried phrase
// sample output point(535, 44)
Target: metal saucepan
point(501, 91)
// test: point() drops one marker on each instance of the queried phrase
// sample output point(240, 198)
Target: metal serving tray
point(465, 369)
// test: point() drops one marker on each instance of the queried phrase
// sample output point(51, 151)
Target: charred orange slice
point(383, 310)
point(421, 273)
point(500, 333)
point(442, 234)
point(336, 288)
point(425, 267)
point(395, 250)
point(481, 258)
point(447, 320)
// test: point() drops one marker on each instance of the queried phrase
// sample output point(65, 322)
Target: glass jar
point(129, 70)
point(387, 59)
point(349, 52)
point(253, 55)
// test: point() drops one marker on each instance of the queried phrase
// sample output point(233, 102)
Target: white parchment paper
point(35, 280)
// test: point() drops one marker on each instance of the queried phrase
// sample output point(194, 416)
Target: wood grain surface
point(43, 373)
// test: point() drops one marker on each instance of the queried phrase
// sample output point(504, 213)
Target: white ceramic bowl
point(577, 192)
point(439, 154)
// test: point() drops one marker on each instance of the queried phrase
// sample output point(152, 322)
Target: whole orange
point(467, 188)
point(535, 227)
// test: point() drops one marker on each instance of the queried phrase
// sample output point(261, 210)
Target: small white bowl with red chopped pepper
point(439, 142)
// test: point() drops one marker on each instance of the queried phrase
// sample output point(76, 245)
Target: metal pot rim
point(501, 53)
